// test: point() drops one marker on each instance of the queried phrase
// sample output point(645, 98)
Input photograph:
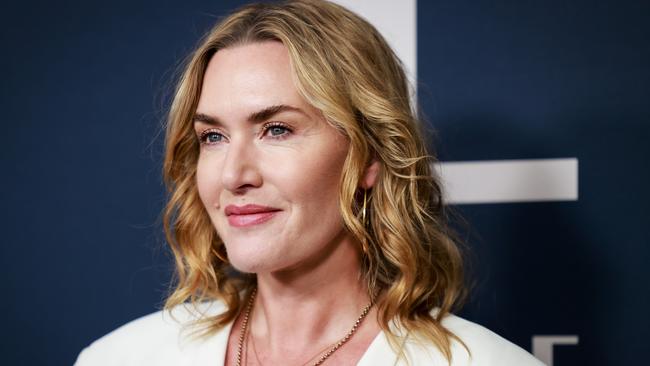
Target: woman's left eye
point(276, 130)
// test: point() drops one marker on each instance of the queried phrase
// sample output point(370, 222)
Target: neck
point(312, 305)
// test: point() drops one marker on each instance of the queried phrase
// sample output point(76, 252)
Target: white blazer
point(156, 340)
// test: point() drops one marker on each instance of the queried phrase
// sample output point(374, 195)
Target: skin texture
point(294, 169)
point(289, 161)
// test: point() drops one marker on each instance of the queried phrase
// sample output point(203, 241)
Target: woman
point(305, 221)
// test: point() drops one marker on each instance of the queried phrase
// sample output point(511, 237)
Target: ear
point(370, 175)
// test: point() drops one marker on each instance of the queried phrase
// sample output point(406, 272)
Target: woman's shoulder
point(485, 346)
point(480, 347)
point(157, 338)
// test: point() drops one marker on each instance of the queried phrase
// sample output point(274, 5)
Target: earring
point(363, 211)
point(364, 242)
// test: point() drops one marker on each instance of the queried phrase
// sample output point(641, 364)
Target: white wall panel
point(510, 180)
point(397, 22)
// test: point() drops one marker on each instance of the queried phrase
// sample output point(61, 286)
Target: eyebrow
point(255, 117)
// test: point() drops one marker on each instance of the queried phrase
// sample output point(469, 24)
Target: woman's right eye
point(210, 137)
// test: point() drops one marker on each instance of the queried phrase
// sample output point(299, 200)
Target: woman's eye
point(211, 137)
point(277, 130)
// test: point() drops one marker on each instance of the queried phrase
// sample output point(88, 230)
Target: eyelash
point(266, 128)
point(203, 136)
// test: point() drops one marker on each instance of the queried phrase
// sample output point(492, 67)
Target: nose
point(240, 170)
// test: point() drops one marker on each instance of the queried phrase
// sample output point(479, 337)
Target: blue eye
point(277, 130)
point(214, 137)
point(210, 137)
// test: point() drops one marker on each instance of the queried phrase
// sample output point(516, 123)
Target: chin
point(264, 264)
point(254, 254)
point(252, 262)
point(246, 266)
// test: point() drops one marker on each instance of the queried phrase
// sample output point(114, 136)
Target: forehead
point(248, 77)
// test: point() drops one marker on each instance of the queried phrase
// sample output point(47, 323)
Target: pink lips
point(249, 215)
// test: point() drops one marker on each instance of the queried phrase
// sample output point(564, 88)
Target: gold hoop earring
point(364, 243)
point(363, 211)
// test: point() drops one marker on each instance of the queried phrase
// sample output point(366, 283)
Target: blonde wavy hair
point(344, 67)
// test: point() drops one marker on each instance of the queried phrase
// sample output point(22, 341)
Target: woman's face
point(269, 167)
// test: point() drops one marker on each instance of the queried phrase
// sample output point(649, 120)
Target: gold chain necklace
point(244, 331)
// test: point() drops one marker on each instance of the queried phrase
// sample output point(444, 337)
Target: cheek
point(206, 182)
point(313, 182)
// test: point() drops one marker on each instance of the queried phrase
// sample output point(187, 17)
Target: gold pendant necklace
point(244, 332)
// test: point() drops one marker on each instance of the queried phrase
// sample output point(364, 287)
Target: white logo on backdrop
point(543, 345)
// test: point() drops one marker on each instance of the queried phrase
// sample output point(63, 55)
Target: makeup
point(249, 215)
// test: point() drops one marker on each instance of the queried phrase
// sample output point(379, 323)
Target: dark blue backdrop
point(84, 92)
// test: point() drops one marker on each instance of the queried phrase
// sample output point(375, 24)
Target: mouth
point(249, 215)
